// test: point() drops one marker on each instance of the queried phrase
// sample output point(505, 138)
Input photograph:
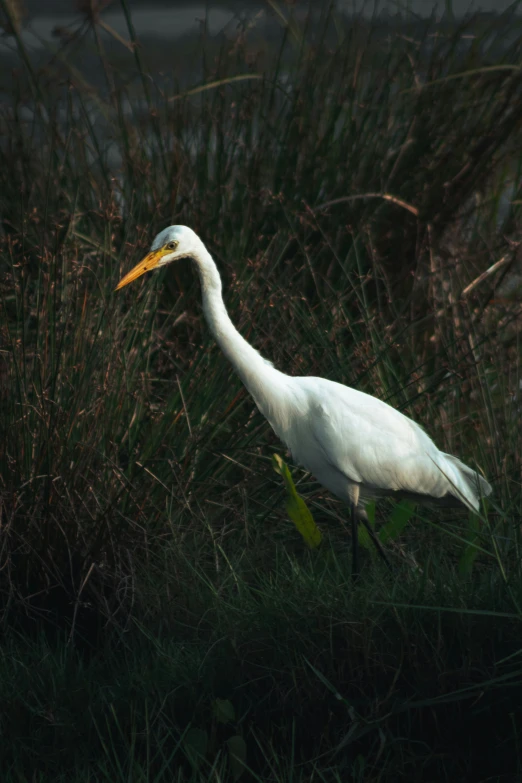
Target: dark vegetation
point(160, 615)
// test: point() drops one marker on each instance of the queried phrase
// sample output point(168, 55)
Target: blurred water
point(156, 21)
point(174, 20)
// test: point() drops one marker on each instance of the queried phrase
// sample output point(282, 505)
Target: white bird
point(357, 446)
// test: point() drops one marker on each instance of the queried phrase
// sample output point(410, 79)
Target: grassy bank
point(155, 599)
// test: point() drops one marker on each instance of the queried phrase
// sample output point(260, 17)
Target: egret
point(357, 446)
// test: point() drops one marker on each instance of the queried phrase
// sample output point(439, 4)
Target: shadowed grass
point(306, 660)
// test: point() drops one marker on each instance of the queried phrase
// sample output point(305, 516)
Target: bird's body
point(361, 449)
point(356, 445)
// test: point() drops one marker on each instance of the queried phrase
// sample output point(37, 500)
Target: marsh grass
point(350, 193)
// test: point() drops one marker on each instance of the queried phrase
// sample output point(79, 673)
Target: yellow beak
point(150, 261)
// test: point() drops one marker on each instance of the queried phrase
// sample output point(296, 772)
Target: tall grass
point(351, 191)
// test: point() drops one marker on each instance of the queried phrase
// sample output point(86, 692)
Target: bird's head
point(170, 244)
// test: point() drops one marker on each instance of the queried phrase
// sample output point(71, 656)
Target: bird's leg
point(355, 544)
point(355, 534)
point(377, 544)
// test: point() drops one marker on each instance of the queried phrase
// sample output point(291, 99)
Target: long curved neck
point(266, 384)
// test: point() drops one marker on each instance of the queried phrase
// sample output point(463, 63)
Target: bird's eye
point(172, 245)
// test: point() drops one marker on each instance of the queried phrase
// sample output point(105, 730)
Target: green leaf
point(471, 550)
point(223, 710)
point(362, 534)
point(400, 516)
point(236, 755)
point(364, 538)
point(297, 509)
point(370, 512)
point(196, 742)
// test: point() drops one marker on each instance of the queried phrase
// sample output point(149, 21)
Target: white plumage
point(354, 444)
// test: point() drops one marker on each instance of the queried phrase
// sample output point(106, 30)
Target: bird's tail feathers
point(468, 486)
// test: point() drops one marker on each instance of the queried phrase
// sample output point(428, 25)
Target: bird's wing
point(372, 443)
